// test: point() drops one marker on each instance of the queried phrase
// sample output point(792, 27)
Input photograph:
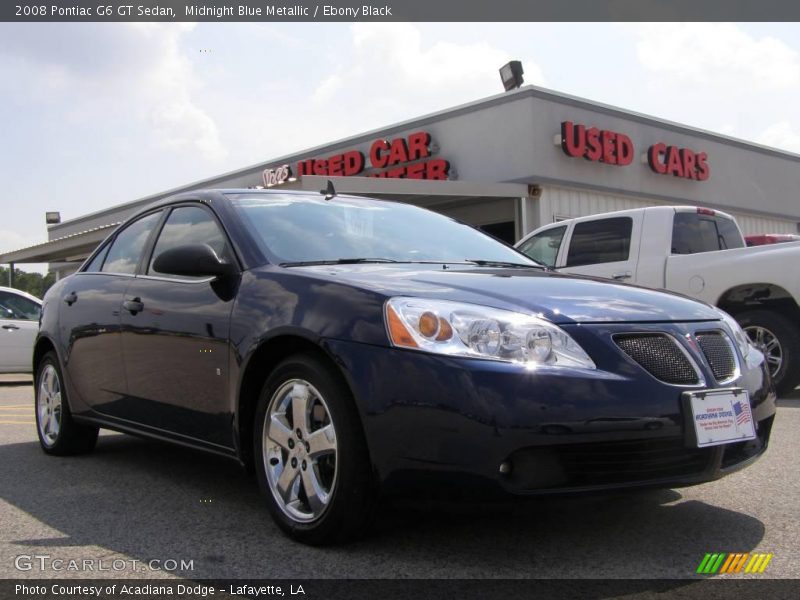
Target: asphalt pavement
point(134, 501)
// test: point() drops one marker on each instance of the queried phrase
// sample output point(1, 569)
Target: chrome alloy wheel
point(766, 341)
point(300, 451)
point(48, 405)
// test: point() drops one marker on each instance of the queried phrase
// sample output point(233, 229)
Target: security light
point(511, 74)
point(52, 218)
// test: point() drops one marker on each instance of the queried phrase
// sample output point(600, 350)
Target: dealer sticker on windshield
point(721, 417)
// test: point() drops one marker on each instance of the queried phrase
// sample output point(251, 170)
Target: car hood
point(558, 298)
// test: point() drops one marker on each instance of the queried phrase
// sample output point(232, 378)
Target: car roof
point(21, 293)
point(218, 195)
point(621, 213)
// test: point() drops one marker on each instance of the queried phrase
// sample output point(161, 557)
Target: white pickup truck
point(694, 251)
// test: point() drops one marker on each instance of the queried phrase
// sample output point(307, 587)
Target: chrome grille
point(660, 356)
point(719, 353)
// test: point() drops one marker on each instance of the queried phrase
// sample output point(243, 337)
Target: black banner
point(410, 589)
point(400, 10)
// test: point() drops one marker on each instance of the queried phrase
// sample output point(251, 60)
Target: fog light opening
point(505, 467)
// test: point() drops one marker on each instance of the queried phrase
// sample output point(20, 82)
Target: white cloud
point(13, 240)
point(177, 119)
point(393, 70)
point(105, 73)
point(354, 79)
point(181, 125)
point(729, 78)
point(781, 135)
point(326, 90)
point(717, 54)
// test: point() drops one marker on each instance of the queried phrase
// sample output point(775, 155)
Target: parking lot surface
point(133, 501)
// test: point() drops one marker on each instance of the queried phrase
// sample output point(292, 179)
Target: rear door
point(607, 247)
point(703, 230)
point(19, 323)
point(89, 314)
point(700, 231)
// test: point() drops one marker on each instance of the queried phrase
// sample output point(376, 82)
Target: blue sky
point(99, 114)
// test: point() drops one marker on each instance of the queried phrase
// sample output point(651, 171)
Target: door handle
point(622, 275)
point(133, 306)
point(71, 298)
point(10, 327)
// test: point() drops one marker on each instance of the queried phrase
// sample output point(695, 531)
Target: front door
point(175, 339)
point(19, 324)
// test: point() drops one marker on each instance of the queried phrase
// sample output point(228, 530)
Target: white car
point(694, 251)
point(19, 324)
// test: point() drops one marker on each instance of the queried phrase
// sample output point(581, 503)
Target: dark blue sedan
point(345, 348)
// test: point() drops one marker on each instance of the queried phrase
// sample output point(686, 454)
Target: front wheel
point(311, 458)
point(58, 433)
point(779, 339)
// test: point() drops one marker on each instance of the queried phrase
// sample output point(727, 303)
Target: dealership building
point(508, 164)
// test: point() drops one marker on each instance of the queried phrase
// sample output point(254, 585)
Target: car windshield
point(294, 229)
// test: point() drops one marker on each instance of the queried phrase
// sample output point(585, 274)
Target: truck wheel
point(311, 458)
point(779, 339)
point(58, 433)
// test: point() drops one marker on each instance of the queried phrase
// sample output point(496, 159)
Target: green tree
point(33, 283)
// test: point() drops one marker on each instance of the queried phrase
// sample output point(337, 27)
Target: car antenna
point(329, 192)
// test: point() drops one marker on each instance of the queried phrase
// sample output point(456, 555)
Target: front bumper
point(433, 420)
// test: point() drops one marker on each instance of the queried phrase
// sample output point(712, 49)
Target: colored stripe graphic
point(717, 564)
point(711, 563)
point(734, 563)
point(766, 562)
point(703, 563)
point(758, 563)
point(721, 563)
point(740, 563)
point(727, 566)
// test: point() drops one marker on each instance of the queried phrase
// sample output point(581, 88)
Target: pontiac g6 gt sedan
point(345, 347)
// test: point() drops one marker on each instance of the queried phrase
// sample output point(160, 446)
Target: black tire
point(349, 508)
point(70, 437)
point(787, 377)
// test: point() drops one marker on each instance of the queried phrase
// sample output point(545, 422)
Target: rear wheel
point(310, 455)
point(779, 339)
point(58, 433)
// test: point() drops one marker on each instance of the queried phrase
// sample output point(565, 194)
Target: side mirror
point(192, 260)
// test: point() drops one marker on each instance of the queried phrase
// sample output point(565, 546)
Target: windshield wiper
point(499, 263)
point(337, 261)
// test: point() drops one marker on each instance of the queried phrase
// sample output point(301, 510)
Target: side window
point(13, 306)
point(97, 262)
point(125, 251)
point(729, 235)
point(601, 241)
point(543, 247)
point(190, 225)
point(693, 233)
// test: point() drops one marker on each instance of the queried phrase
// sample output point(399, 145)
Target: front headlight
point(459, 329)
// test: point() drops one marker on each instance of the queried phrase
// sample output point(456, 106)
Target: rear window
point(694, 232)
point(601, 241)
